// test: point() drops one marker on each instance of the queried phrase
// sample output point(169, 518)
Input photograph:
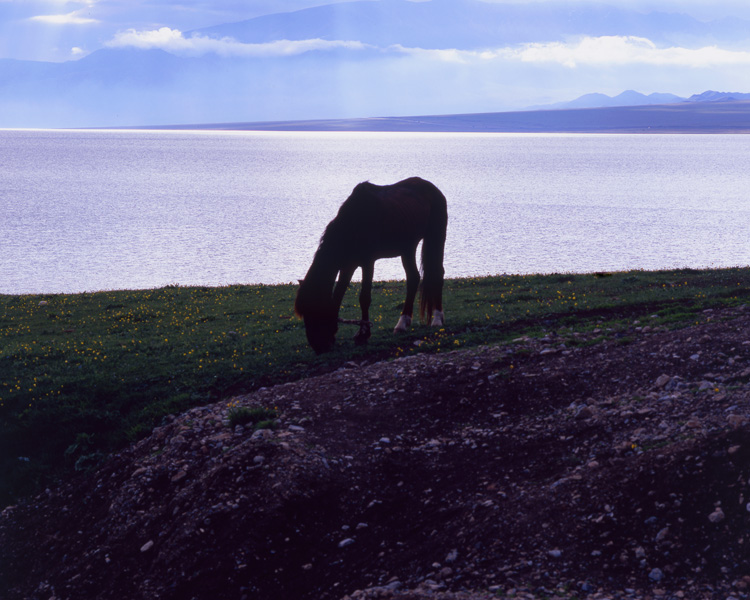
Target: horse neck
point(321, 276)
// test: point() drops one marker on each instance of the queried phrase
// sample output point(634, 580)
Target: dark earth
point(604, 464)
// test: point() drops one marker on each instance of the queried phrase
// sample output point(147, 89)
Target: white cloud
point(173, 41)
point(604, 51)
point(627, 50)
point(68, 19)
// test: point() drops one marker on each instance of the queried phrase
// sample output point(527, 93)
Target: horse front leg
point(365, 299)
point(345, 276)
point(409, 261)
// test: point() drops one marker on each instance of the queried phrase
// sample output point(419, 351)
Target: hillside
point(610, 463)
point(685, 117)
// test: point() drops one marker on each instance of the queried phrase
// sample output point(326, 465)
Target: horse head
point(320, 314)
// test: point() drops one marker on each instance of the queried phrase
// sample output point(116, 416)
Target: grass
point(82, 375)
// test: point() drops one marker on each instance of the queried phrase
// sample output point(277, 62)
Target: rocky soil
point(567, 466)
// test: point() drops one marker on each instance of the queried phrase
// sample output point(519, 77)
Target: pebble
point(717, 516)
point(147, 546)
point(179, 476)
point(656, 575)
point(346, 542)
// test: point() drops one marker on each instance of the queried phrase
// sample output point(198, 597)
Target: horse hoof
point(362, 335)
point(438, 319)
point(404, 322)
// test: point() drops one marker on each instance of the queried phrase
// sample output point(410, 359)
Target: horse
point(376, 221)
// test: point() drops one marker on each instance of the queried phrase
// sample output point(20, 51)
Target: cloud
point(604, 51)
point(68, 19)
point(173, 41)
point(628, 50)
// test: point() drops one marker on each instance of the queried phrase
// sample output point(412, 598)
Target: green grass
point(82, 375)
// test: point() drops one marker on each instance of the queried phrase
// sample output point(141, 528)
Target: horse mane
point(339, 233)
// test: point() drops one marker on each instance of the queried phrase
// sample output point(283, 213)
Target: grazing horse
point(376, 222)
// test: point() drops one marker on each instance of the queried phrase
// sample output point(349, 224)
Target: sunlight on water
point(91, 210)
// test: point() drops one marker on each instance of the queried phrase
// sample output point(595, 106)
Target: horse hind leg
point(404, 322)
point(409, 261)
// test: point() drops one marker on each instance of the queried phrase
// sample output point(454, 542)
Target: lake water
point(97, 210)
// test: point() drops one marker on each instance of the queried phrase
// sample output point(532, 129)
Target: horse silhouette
point(376, 222)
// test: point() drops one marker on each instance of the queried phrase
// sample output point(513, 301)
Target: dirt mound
point(615, 468)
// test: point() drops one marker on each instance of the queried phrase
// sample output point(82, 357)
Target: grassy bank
point(82, 375)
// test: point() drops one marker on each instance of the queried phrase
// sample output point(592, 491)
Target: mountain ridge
point(706, 116)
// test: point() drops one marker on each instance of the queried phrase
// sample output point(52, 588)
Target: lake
point(98, 210)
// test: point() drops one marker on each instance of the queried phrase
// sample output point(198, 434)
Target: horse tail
point(433, 247)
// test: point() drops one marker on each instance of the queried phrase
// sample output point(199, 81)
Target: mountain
point(473, 24)
point(711, 96)
point(683, 117)
point(627, 98)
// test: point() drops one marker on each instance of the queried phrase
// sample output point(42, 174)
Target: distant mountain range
point(723, 115)
point(475, 25)
point(633, 98)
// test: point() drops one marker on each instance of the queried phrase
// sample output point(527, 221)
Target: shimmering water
point(93, 210)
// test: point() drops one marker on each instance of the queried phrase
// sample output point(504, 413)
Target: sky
point(429, 80)
point(59, 30)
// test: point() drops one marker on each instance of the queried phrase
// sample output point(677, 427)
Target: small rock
point(555, 553)
point(346, 542)
point(296, 429)
point(452, 556)
point(662, 380)
point(656, 575)
point(258, 460)
point(179, 476)
point(147, 546)
point(717, 516)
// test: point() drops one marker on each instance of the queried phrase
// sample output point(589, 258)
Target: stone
point(717, 516)
point(346, 542)
point(656, 575)
point(147, 546)
point(662, 380)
